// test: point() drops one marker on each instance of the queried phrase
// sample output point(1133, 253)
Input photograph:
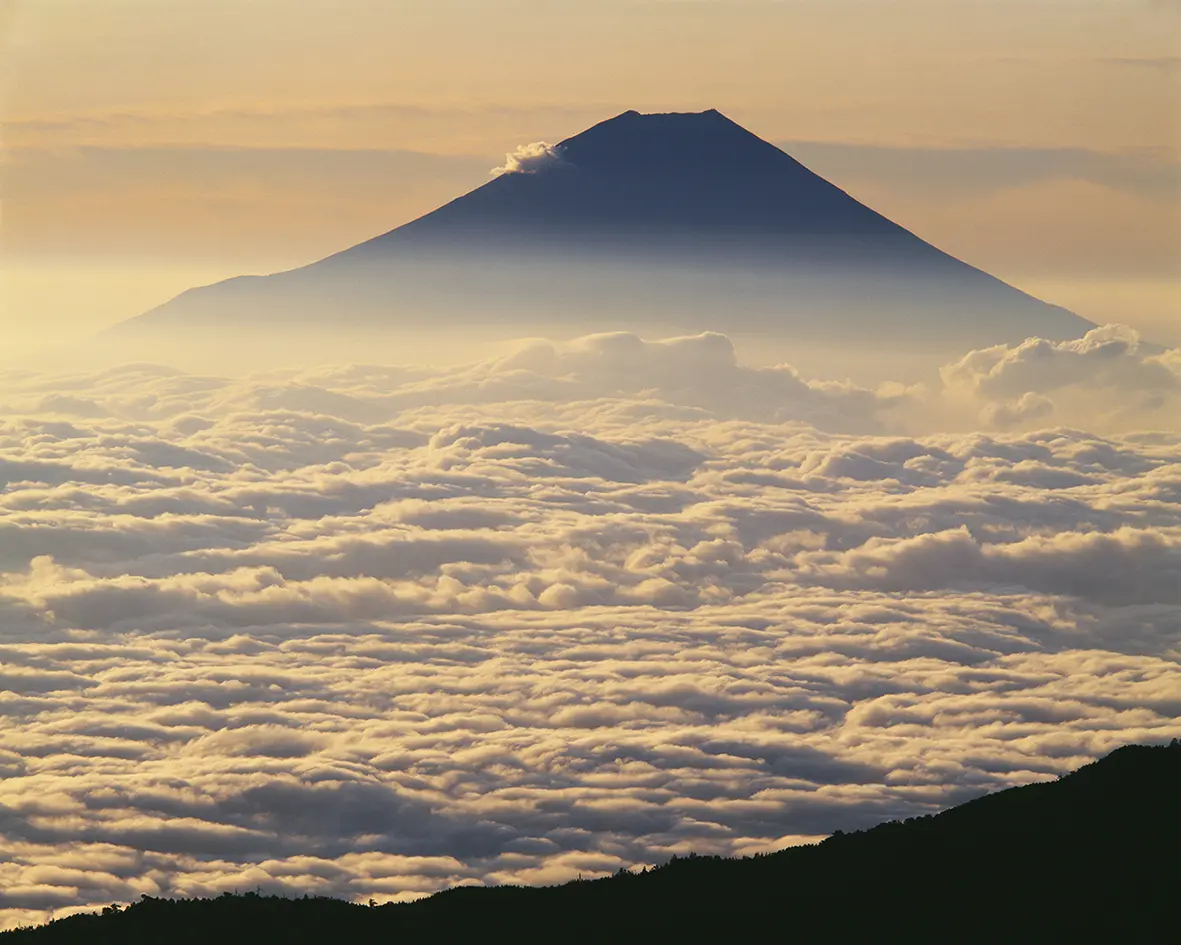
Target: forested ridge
point(1089, 857)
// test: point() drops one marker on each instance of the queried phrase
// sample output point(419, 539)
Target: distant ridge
point(1091, 857)
point(677, 221)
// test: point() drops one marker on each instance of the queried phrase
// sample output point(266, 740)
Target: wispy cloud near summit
point(529, 159)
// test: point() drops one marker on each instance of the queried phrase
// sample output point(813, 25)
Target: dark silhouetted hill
point(667, 222)
point(1090, 857)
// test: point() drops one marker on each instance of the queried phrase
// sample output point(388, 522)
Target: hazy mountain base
point(834, 324)
point(1090, 857)
point(791, 288)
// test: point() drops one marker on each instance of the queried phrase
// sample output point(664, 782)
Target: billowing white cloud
point(1107, 379)
point(371, 631)
point(529, 159)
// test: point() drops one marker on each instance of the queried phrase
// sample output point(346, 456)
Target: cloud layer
point(371, 631)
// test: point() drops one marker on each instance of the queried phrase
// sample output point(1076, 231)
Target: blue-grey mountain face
point(673, 222)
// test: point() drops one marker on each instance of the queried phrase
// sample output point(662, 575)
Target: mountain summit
point(673, 174)
point(666, 222)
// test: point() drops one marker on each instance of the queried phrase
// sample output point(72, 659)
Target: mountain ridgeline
point(666, 223)
point(1090, 857)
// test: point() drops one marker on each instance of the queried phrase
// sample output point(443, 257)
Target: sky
point(149, 145)
point(374, 630)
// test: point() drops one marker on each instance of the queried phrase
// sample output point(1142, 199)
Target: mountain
point(1090, 857)
point(667, 222)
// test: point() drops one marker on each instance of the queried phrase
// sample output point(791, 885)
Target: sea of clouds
point(372, 631)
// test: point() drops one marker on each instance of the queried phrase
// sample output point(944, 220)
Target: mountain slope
point(676, 222)
point(1091, 857)
point(671, 174)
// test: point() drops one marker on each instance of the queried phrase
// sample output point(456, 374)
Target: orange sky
point(149, 144)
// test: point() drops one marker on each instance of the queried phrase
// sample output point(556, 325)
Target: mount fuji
point(665, 222)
